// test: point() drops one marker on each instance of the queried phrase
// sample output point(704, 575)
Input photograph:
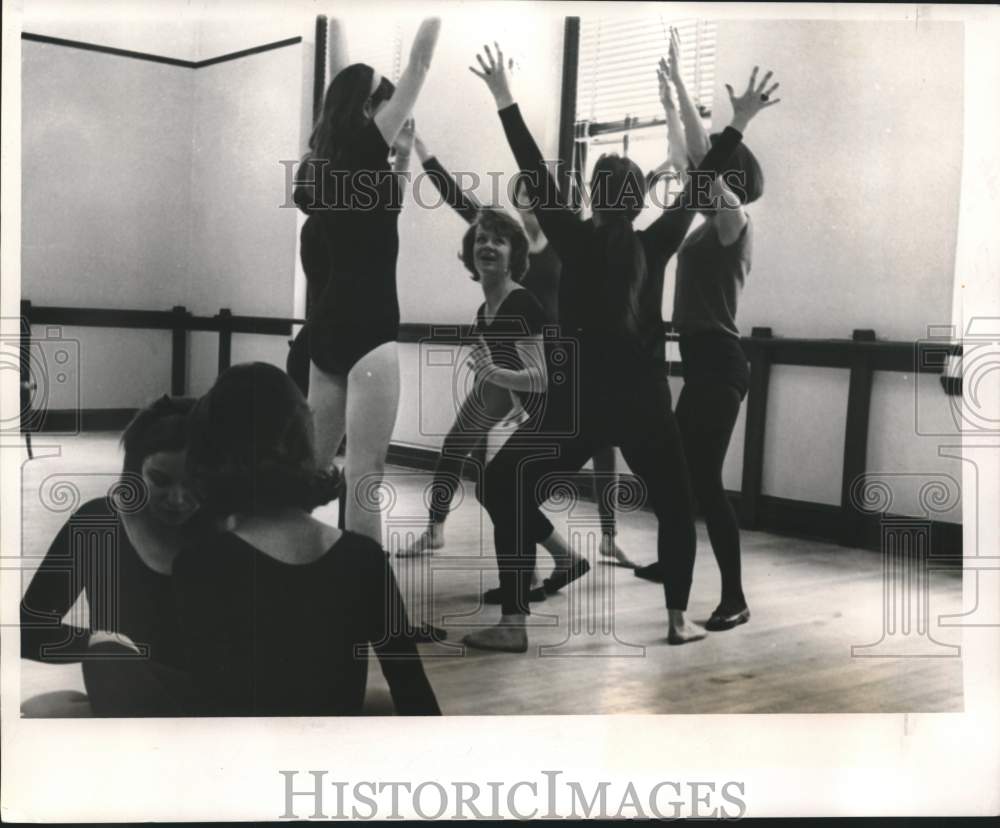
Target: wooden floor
point(600, 647)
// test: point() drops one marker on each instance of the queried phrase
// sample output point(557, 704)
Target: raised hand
point(675, 50)
point(663, 76)
point(756, 98)
point(495, 73)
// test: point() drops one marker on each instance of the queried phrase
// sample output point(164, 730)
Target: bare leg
point(372, 401)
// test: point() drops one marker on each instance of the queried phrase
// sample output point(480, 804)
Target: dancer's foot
point(653, 572)
point(726, 618)
point(680, 630)
point(509, 636)
point(431, 539)
point(562, 577)
point(609, 549)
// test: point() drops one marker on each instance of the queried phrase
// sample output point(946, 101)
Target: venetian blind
point(616, 75)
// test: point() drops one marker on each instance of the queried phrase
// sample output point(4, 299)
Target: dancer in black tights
point(621, 399)
point(712, 266)
point(468, 435)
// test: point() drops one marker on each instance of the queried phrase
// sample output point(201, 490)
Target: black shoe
point(493, 596)
point(726, 619)
point(653, 572)
point(327, 487)
point(561, 577)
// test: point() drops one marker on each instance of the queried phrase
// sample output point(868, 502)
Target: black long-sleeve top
point(267, 638)
point(580, 246)
point(542, 278)
point(92, 554)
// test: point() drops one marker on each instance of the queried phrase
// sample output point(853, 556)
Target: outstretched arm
point(390, 118)
point(466, 206)
point(559, 223)
point(667, 232)
point(696, 138)
point(677, 145)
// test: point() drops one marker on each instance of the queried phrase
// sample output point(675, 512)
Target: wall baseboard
point(67, 421)
point(782, 516)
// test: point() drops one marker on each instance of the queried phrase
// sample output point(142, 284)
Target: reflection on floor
point(599, 647)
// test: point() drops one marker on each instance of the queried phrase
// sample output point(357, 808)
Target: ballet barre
point(861, 355)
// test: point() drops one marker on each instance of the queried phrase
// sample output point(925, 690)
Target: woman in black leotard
point(118, 551)
point(622, 400)
point(510, 364)
point(468, 435)
point(348, 186)
point(712, 265)
point(278, 609)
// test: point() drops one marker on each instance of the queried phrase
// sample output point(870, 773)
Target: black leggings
point(467, 439)
point(706, 413)
point(646, 431)
point(485, 407)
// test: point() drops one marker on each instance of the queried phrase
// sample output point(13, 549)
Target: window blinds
point(616, 76)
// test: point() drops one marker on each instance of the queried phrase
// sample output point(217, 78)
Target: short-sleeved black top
point(519, 316)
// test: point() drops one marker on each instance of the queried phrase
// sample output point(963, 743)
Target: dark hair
point(343, 113)
point(617, 185)
point(497, 221)
point(743, 174)
point(250, 444)
point(618, 191)
point(160, 426)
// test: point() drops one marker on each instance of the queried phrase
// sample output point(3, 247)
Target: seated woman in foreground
point(118, 551)
point(278, 608)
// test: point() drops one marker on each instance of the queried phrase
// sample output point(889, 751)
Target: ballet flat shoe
point(652, 572)
point(562, 577)
point(493, 596)
point(727, 620)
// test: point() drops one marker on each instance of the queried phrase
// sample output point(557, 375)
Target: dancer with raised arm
point(622, 399)
point(347, 182)
point(712, 266)
point(542, 280)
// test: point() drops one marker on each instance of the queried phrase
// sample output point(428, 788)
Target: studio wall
point(148, 185)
